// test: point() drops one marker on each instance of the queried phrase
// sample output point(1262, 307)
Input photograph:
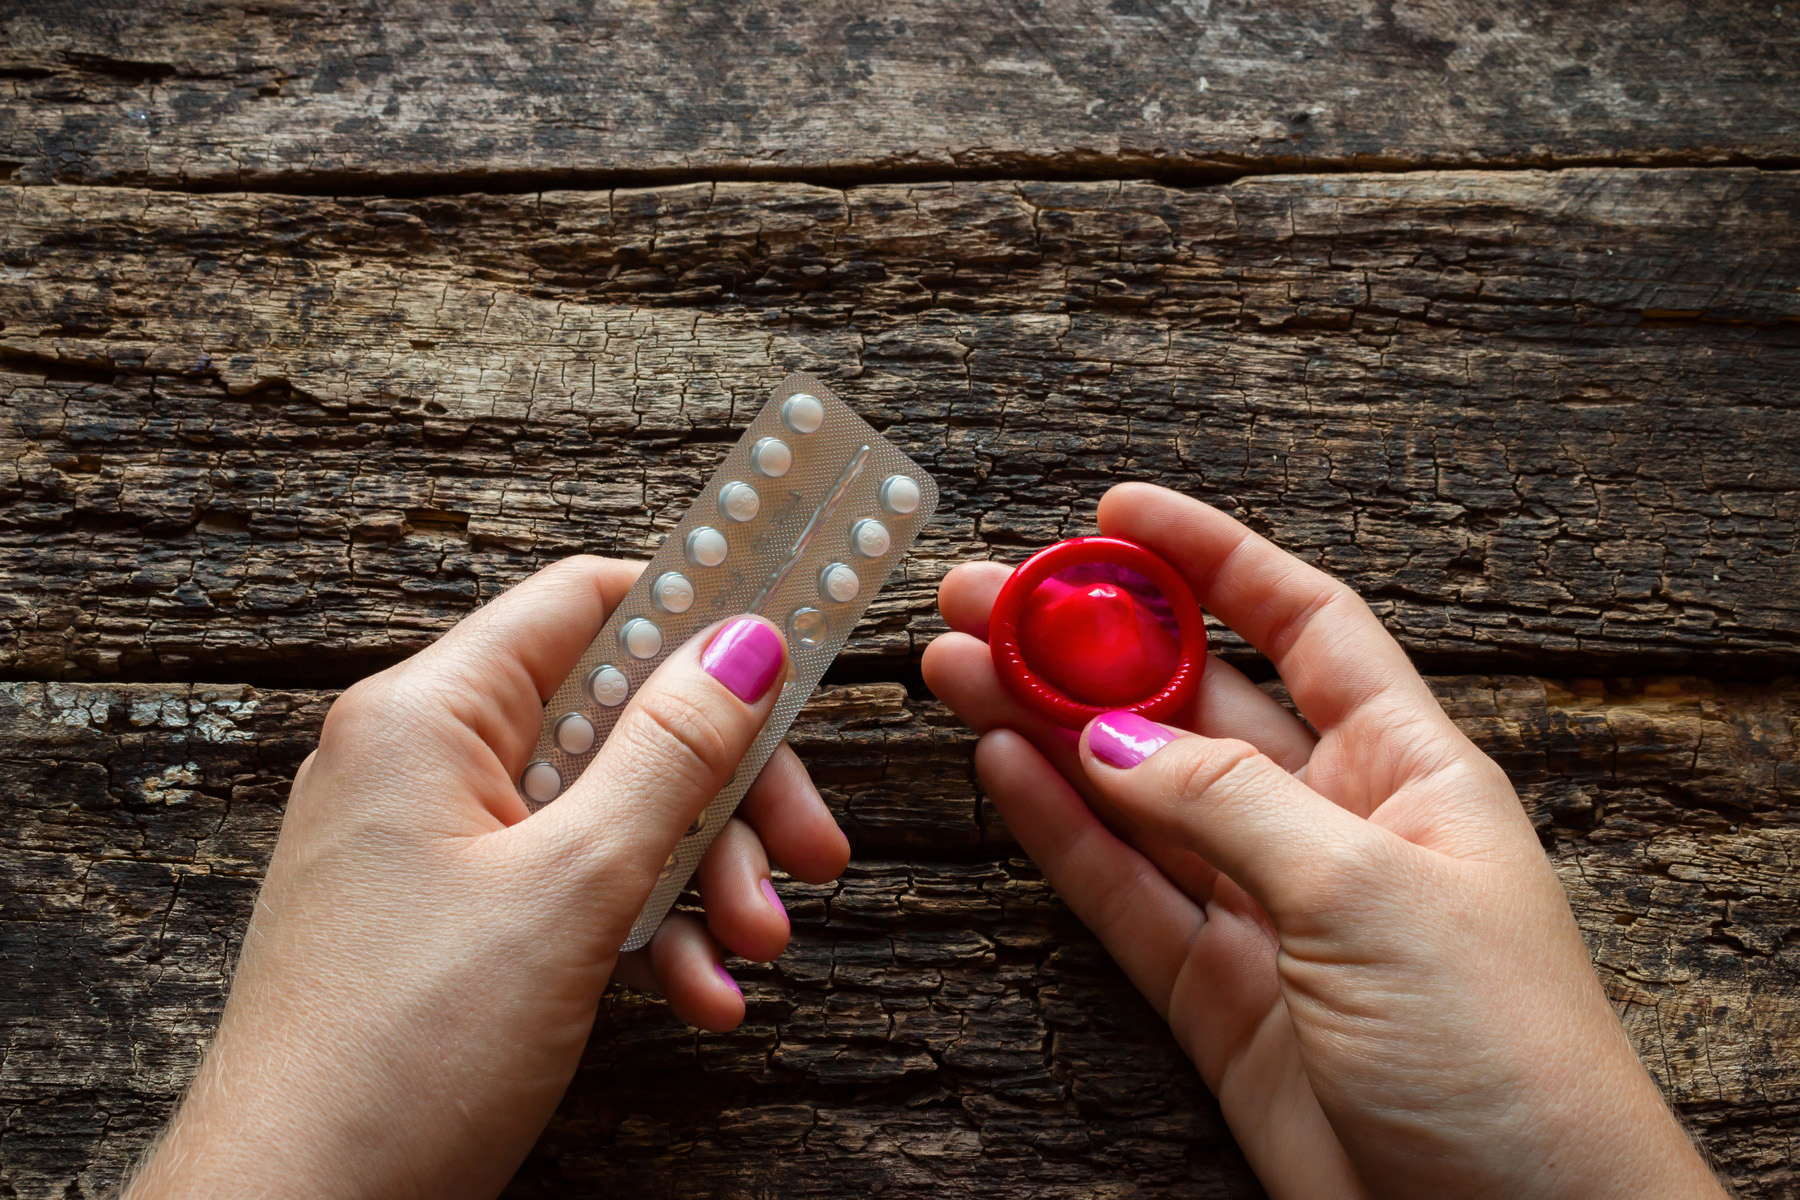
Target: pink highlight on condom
point(1124, 739)
point(1100, 639)
point(745, 656)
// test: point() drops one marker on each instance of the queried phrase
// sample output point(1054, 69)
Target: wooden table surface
point(323, 322)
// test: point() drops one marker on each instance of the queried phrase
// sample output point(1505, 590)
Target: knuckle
point(594, 571)
point(1208, 765)
point(1332, 605)
point(1345, 605)
point(354, 709)
point(688, 734)
point(1122, 904)
point(401, 706)
point(574, 569)
point(1340, 594)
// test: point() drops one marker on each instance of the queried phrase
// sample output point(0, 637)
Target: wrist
point(1617, 1138)
point(207, 1153)
point(262, 1118)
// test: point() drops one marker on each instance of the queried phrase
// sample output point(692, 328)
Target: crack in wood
point(218, 413)
point(412, 96)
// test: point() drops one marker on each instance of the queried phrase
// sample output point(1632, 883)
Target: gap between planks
point(404, 185)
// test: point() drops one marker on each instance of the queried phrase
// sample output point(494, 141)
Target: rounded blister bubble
point(574, 734)
point(802, 412)
point(541, 782)
point(871, 538)
point(674, 592)
point(839, 582)
point(900, 494)
point(608, 686)
point(740, 501)
point(641, 638)
point(808, 627)
point(771, 457)
point(706, 546)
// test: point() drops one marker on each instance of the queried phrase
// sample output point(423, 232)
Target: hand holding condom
point(1348, 920)
point(1097, 624)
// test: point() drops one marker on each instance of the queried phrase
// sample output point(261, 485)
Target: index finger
point(501, 662)
point(1332, 652)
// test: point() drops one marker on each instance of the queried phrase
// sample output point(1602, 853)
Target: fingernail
point(1124, 739)
point(745, 657)
point(722, 973)
point(775, 901)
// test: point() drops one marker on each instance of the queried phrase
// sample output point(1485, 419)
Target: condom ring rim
point(1053, 704)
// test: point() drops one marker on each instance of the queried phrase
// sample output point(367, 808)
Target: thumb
point(678, 742)
point(1275, 837)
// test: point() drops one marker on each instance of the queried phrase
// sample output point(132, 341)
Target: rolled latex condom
point(1096, 624)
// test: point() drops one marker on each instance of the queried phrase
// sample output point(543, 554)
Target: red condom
point(1095, 624)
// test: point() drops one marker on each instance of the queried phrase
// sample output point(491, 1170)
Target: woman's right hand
point(1355, 935)
point(426, 958)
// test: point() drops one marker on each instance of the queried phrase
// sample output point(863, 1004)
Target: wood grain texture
point(332, 96)
point(1543, 421)
point(257, 430)
point(940, 1023)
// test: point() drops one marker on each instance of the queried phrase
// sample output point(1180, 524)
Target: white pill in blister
point(772, 457)
point(802, 412)
point(900, 494)
point(870, 538)
point(706, 546)
point(673, 592)
point(839, 582)
point(608, 686)
point(808, 627)
point(641, 638)
point(740, 501)
point(541, 782)
point(575, 734)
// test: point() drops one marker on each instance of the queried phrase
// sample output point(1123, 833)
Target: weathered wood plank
point(328, 96)
point(1544, 421)
point(941, 1023)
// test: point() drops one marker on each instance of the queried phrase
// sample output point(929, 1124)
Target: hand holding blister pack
point(802, 524)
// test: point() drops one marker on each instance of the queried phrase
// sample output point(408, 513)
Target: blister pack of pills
point(802, 524)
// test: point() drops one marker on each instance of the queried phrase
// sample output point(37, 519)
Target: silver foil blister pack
point(802, 523)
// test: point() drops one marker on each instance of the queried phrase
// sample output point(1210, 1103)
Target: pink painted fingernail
point(745, 657)
point(775, 901)
point(1124, 739)
point(719, 969)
